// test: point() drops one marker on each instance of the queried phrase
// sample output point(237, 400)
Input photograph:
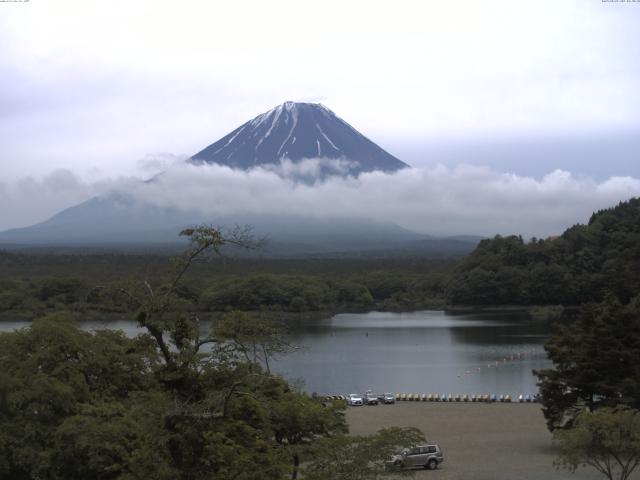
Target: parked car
point(354, 399)
point(421, 456)
point(370, 399)
point(387, 398)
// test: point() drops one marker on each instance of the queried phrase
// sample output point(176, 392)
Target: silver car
point(370, 399)
point(421, 456)
point(387, 398)
point(354, 399)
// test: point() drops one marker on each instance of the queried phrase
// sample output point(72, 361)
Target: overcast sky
point(93, 91)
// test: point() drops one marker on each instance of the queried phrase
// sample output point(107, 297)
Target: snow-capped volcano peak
point(297, 131)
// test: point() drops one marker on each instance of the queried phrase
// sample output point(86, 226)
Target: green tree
point(607, 440)
point(361, 457)
point(108, 440)
point(255, 337)
point(225, 401)
point(172, 403)
point(52, 375)
point(583, 264)
point(595, 362)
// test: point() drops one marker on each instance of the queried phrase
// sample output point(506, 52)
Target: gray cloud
point(441, 200)
point(30, 200)
point(159, 162)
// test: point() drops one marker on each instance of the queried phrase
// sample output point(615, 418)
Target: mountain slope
point(111, 218)
point(293, 131)
point(298, 131)
point(118, 221)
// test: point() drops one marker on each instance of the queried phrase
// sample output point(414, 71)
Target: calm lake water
point(425, 352)
point(417, 352)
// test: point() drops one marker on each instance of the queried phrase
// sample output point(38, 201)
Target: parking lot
point(494, 441)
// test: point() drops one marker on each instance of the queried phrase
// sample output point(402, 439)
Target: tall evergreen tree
point(596, 361)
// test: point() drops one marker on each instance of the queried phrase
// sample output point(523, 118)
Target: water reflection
point(428, 351)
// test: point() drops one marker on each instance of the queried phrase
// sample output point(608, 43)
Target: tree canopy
point(582, 265)
point(178, 401)
point(607, 440)
point(595, 361)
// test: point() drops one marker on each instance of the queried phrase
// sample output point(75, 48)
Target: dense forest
point(582, 265)
point(33, 285)
point(579, 266)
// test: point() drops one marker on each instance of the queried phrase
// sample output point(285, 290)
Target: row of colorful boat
point(423, 397)
point(486, 398)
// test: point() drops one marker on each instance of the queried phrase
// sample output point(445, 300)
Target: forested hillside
point(580, 266)
point(35, 285)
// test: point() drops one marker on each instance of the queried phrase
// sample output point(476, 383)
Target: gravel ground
point(480, 441)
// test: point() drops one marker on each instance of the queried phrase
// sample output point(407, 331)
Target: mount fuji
point(297, 131)
point(292, 132)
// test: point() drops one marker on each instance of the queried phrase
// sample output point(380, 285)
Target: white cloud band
point(439, 200)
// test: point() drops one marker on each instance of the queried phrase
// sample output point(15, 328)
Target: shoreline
point(536, 312)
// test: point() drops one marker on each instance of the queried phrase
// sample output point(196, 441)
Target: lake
point(419, 352)
point(416, 352)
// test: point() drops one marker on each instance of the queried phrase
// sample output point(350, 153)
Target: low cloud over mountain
point(437, 201)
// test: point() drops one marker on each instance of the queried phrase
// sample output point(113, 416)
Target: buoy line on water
point(506, 360)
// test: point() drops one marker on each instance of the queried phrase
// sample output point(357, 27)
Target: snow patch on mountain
point(297, 131)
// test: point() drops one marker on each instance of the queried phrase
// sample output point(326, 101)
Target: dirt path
point(480, 441)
